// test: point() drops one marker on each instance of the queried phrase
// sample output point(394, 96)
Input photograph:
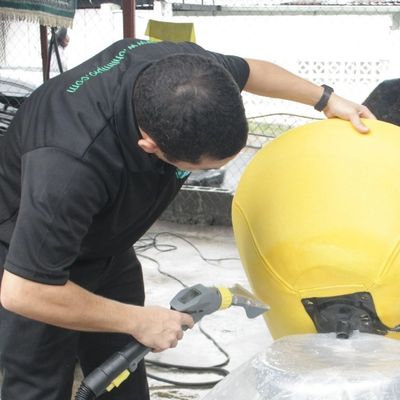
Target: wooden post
point(44, 45)
point(128, 11)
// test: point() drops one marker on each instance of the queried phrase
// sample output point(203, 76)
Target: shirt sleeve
point(237, 66)
point(60, 194)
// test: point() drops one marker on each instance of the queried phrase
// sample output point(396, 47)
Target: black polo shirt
point(74, 184)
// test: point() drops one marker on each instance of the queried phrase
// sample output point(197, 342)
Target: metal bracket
point(344, 314)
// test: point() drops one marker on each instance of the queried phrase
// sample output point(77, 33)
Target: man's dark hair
point(191, 107)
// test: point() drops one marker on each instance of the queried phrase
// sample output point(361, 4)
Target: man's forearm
point(68, 306)
point(271, 80)
point(72, 307)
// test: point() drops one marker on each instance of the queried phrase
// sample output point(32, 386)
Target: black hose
point(84, 393)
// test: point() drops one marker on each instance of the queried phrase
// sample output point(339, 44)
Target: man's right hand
point(159, 328)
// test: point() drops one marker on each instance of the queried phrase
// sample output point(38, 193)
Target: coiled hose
point(84, 393)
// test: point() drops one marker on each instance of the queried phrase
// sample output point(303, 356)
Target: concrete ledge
point(198, 205)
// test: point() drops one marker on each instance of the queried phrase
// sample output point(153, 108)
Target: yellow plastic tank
point(316, 214)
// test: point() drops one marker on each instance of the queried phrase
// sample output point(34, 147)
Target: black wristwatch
point(323, 101)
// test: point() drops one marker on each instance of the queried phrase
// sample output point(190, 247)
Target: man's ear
point(147, 144)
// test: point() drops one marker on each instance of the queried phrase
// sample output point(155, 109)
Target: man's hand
point(345, 109)
point(160, 328)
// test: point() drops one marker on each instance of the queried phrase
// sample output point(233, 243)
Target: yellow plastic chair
point(317, 214)
point(170, 31)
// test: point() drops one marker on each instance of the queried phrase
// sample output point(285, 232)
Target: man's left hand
point(346, 109)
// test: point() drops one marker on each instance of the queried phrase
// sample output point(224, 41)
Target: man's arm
point(72, 307)
point(268, 79)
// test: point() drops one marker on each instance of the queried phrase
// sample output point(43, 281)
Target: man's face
point(203, 164)
point(149, 146)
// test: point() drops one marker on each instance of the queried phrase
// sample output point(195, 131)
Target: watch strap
point(323, 101)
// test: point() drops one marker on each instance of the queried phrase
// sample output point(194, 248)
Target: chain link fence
point(350, 45)
point(21, 61)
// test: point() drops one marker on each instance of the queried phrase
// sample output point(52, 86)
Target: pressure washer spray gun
point(198, 301)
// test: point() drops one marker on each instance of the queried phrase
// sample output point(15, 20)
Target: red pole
point(44, 49)
point(129, 18)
